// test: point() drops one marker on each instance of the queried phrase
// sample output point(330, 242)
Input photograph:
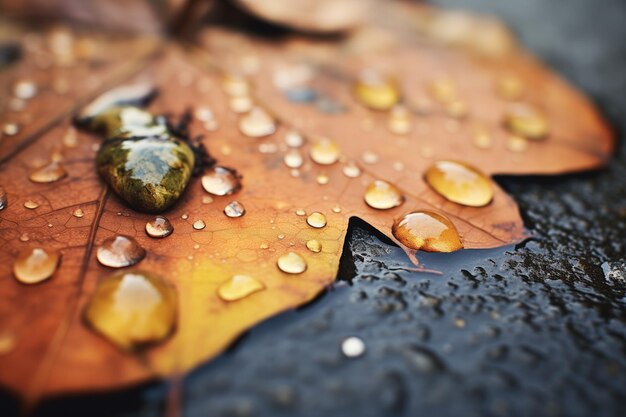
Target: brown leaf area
point(56, 352)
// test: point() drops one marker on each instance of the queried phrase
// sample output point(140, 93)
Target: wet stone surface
point(538, 330)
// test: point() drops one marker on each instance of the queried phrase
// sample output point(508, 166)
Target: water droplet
point(204, 114)
point(351, 170)
point(457, 109)
point(509, 87)
point(236, 85)
point(482, 139)
point(36, 264)
point(337, 209)
point(527, 122)
point(184, 216)
point(221, 181)
point(257, 123)
point(324, 152)
point(314, 245)
point(4, 199)
point(10, 129)
point(322, 179)
point(240, 104)
point(30, 204)
point(25, 89)
point(50, 225)
point(207, 199)
point(370, 157)
point(516, 143)
point(382, 195)
point(291, 263)
point(234, 209)
point(238, 287)
point(399, 121)
point(443, 90)
point(52, 172)
point(159, 227)
point(460, 183)
point(132, 309)
point(293, 158)
point(7, 343)
point(199, 224)
point(300, 212)
point(375, 90)
point(352, 347)
point(24, 237)
point(120, 251)
point(79, 213)
point(316, 219)
point(70, 138)
point(428, 231)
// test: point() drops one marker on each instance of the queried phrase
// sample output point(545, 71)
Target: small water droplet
point(509, 87)
point(324, 152)
point(516, 143)
point(52, 172)
point(25, 89)
point(457, 109)
point(481, 138)
point(234, 209)
point(293, 158)
point(70, 138)
point(240, 104)
point(30, 204)
point(10, 129)
point(322, 179)
point(199, 224)
point(337, 209)
point(204, 114)
point(314, 245)
point(207, 199)
point(132, 309)
point(257, 123)
point(120, 251)
point(460, 183)
point(184, 216)
point(375, 90)
point(236, 85)
point(35, 265)
point(281, 236)
point(443, 90)
point(316, 219)
point(79, 213)
point(428, 231)
point(159, 227)
point(221, 181)
point(238, 287)
point(399, 121)
point(50, 225)
point(382, 195)
point(300, 212)
point(294, 139)
point(352, 347)
point(527, 122)
point(291, 263)
point(370, 157)
point(24, 237)
point(4, 199)
point(351, 170)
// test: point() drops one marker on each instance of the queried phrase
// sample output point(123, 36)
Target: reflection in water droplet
point(324, 152)
point(460, 183)
point(314, 245)
point(428, 231)
point(30, 204)
point(4, 199)
point(292, 263)
point(294, 139)
point(375, 90)
point(79, 213)
point(132, 309)
point(527, 122)
point(352, 347)
point(399, 121)
point(52, 172)
point(234, 209)
point(351, 170)
point(221, 181)
point(36, 264)
point(120, 251)
point(10, 129)
point(257, 123)
point(159, 227)
point(199, 224)
point(293, 158)
point(316, 219)
point(238, 287)
point(24, 237)
point(382, 195)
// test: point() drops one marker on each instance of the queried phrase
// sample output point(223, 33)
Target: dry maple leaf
point(54, 351)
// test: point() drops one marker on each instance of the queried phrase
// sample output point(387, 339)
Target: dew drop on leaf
point(316, 219)
point(352, 347)
point(516, 143)
point(443, 90)
point(293, 158)
point(120, 251)
point(52, 172)
point(35, 264)
point(324, 152)
point(382, 195)
point(294, 139)
point(199, 224)
point(481, 138)
point(460, 183)
point(351, 170)
point(10, 129)
point(375, 90)
point(322, 179)
point(240, 104)
point(509, 87)
point(78, 213)
point(30, 204)
point(159, 227)
point(132, 309)
point(221, 181)
point(257, 123)
point(399, 121)
point(428, 231)
point(234, 209)
point(291, 263)
point(238, 287)
point(526, 122)
point(25, 89)
point(314, 245)
point(236, 85)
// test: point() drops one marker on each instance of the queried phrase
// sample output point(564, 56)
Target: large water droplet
point(257, 123)
point(120, 251)
point(238, 287)
point(382, 195)
point(316, 219)
point(36, 264)
point(291, 263)
point(234, 209)
point(159, 227)
point(324, 152)
point(428, 231)
point(221, 181)
point(52, 172)
point(460, 183)
point(132, 309)
point(375, 90)
point(10, 129)
point(527, 122)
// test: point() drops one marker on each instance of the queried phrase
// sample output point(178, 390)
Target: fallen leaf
point(56, 352)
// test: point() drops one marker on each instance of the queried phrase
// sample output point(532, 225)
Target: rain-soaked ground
point(535, 330)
